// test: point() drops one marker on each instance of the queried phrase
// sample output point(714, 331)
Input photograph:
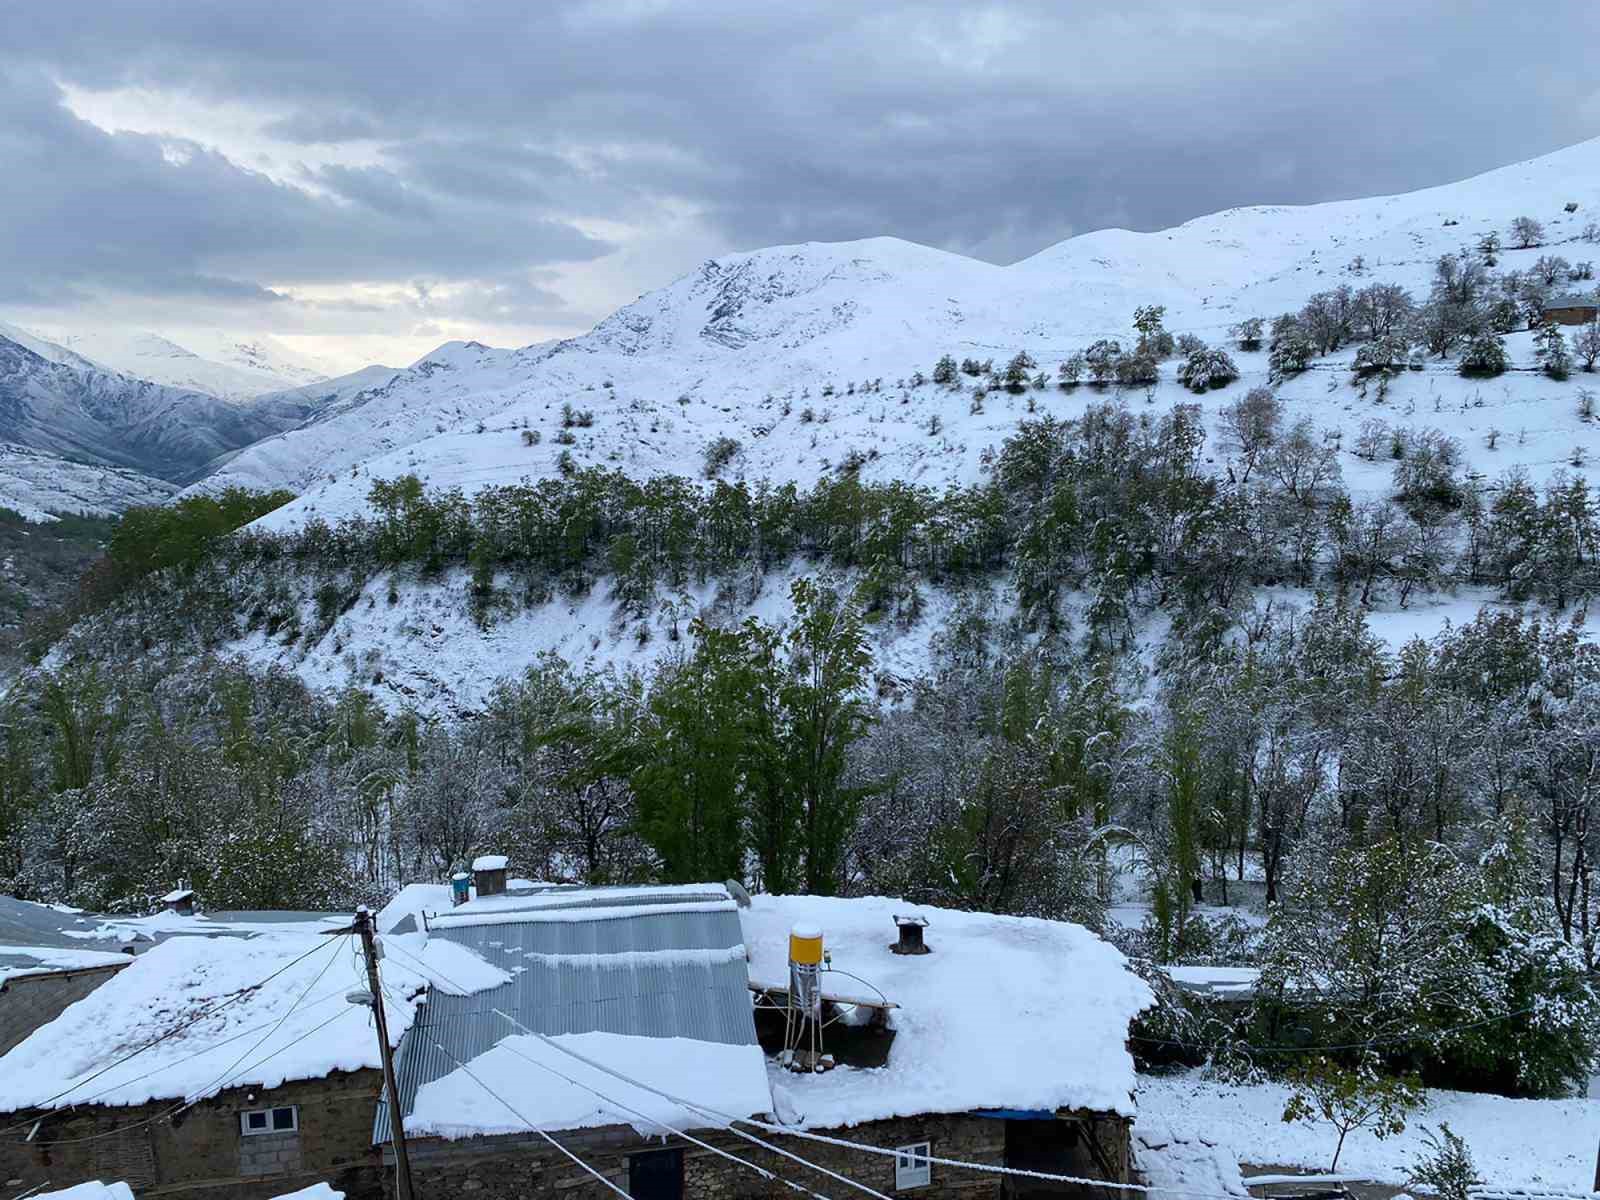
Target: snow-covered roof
point(553, 1090)
point(177, 894)
point(649, 979)
point(1573, 300)
point(89, 1191)
point(45, 960)
point(490, 862)
point(1006, 1012)
point(270, 1008)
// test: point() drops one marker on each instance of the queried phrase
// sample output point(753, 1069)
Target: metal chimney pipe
point(911, 935)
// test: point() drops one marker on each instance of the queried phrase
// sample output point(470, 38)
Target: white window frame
point(294, 1120)
point(911, 1166)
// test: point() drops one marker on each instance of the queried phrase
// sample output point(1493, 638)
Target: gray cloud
point(993, 129)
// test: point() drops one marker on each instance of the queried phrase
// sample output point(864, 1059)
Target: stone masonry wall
point(200, 1154)
point(526, 1168)
point(29, 1001)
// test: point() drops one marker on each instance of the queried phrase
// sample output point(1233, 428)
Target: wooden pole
point(397, 1131)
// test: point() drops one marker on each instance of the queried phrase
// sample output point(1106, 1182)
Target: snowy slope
point(53, 399)
point(745, 346)
point(38, 485)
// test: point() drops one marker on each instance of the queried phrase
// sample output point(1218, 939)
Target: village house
point(628, 1029)
point(1572, 309)
point(621, 1026)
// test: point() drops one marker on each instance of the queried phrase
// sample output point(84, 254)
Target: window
point(269, 1120)
point(911, 1166)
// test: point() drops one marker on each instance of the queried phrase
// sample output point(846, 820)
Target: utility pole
point(397, 1131)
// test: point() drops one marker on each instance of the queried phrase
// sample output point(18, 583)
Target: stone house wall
point(201, 1154)
point(524, 1167)
point(29, 1001)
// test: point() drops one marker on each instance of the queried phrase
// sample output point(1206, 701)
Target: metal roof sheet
point(611, 974)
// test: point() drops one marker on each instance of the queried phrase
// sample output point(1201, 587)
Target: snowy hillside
point(38, 485)
point(53, 399)
point(750, 347)
point(227, 368)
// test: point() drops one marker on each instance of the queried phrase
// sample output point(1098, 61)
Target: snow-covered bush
point(719, 452)
point(1390, 353)
point(1485, 355)
point(1207, 368)
point(944, 371)
point(1550, 347)
point(1292, 349)
point(1071, 370)
point(1446, 1170)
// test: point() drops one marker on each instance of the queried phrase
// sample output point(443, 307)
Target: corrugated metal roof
point(599, 984)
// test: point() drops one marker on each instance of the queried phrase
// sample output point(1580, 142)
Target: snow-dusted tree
point(1489, 248)
point(1187, 343)
point(1137, 369)
point(1390, 352)
point(1205, 369)
point(1381, 310)
point(1328, 318)
point(1247, 333)
point(1250, 427)
point(944, 371)
point(1070, 370)
point(1303, 463)
point(1351, 1098)
point(1586, 344)
point(1101, 359)
point(1292, 347)
point(1018, 370)
point(1550, 347)
point(1154, 341)
point(1485, 355)
point(1446, 1170)
point(1551, 269)
point(1526, 232)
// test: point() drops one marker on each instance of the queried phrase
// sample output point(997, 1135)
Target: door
point(656, 1175)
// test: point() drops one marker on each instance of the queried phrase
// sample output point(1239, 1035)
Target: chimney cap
point(912, 919)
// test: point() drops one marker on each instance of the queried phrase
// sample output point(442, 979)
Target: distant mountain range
point(56, 400)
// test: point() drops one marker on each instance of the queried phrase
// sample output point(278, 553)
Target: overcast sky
point(367, 180)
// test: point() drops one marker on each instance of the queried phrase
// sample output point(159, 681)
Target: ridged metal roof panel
point(648, 974)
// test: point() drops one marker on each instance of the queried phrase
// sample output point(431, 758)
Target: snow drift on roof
point(90, 1191)
point(1006, 1012)
point(490, 862)
point(297, 1024)
point(729, 1079)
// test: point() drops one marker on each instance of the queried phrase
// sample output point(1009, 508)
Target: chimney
point(911, 935)
point(489, 874)
point(180, 900)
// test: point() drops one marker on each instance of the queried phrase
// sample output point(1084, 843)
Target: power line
point(729, 1120)
point(665, 1128)
point(514, 1112)
point(177, 1029)
point(726, 1124)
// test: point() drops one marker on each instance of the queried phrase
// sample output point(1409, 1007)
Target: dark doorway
point(657, 1175)
point(1046, 1146)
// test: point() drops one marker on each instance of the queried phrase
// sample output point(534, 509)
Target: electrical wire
point(514, 1112)
point(231, 1073)
point(667, 1129)
point(177, 1029)
point(729, 1120)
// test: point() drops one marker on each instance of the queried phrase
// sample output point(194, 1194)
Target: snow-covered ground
point(1535, 1144)
point(39, 485)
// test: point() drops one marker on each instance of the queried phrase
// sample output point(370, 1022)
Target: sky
point(365, 181)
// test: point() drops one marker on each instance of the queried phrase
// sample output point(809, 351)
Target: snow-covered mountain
point(225, 367)
point(54, 399)
point(764, 347)
point(807, 357)
point(38, 486)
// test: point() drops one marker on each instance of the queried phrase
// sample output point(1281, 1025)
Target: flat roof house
point(627, 1034)
point(1572, 309)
